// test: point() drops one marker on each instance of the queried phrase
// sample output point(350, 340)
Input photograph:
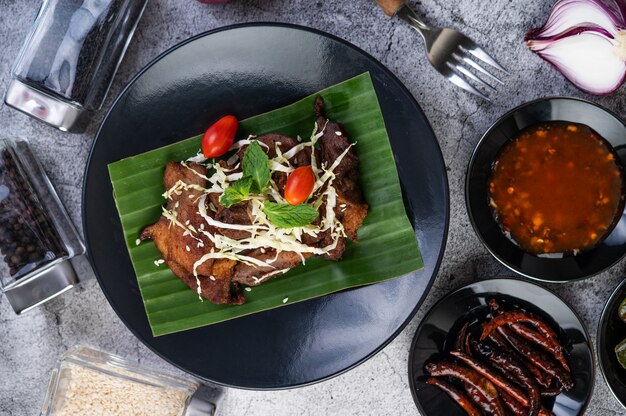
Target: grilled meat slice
point(351, 209)
point(170, 239)
point(181, 251)
point(254, 276)
point(271, 140)
point(219, 291)
point(237, 214)
point(337, 252)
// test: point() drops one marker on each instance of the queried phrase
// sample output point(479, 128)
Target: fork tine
point(479, 53)
point(460, 82)
point(477, 67)
point(471, 76)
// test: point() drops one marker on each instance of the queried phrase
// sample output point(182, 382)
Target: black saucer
point(439, 327)
point(562, 269)
point(611, 331)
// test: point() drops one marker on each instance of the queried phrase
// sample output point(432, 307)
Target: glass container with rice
point(91, 382)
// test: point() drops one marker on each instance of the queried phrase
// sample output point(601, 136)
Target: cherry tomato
point(219, 137)
point(299, 185)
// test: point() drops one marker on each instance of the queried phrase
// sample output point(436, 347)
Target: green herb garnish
point(289, 216)
point(256, 176)
point(236, 192)
point(256, 165)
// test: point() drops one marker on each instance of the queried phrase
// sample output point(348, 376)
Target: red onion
point(585, 40)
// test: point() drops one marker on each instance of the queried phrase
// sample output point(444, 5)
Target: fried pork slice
point(351, 209)
point(254, 276)
point(237, 214)
point(181, 251)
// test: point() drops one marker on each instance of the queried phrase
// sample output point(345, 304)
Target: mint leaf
point(289, 216)
point(236, 192)
point(256, 176)
point(256, 165)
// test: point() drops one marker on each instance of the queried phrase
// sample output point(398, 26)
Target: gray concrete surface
point(30, 344)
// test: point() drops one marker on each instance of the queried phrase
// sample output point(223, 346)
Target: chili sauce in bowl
point(556, 187)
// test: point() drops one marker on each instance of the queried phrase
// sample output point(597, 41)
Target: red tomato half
point(299, 185)
point(219, 137)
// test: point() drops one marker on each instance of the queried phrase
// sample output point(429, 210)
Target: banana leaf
point(387, 246)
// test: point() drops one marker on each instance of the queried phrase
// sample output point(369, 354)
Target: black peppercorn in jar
point(70, 57)
point(36, 236)
point(27, 238)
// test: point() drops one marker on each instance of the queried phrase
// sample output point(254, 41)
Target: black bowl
point(611, 331)
point(439, 327)
point(554, 268)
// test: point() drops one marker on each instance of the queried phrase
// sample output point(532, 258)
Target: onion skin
point(584, 40)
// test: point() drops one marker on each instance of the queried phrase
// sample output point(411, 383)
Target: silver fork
point(449, 51)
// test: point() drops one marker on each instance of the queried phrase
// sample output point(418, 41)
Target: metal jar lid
point(42, 286)
point(200, 403)
point(36, 103)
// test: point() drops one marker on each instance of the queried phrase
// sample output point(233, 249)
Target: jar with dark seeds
point(28, 239)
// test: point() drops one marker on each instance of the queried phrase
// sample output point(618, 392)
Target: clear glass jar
point(92, 382)
point(69, 59)
point(37, 238)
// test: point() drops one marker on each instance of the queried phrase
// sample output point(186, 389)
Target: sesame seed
point(159, 262)
point(212, 278)
point(137, 242)
point(187, 248)
point(338, 133)
point(248, 289)
point(285, 300)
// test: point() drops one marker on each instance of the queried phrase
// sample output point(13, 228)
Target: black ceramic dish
point(611, 331)
point(439, 327)
point(247, 70)
point(553, 269)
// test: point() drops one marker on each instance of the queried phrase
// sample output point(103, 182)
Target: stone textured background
point(31, 344)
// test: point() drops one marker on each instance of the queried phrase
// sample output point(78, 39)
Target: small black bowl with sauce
point(565, 266)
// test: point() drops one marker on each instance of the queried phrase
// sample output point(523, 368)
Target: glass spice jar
point(37, 238)
point(67, 64)
point(91, 382)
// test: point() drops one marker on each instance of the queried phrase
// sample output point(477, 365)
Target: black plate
point(611, 331)
point(555, 269)
point(437, 330)
point(247, 70)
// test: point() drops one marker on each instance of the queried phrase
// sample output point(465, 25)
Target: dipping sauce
point(556, 188)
